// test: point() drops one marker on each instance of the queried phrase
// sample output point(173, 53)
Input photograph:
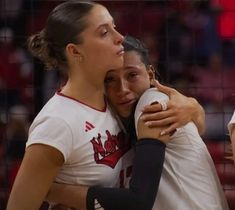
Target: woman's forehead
point(98, 17)
point(132, 59)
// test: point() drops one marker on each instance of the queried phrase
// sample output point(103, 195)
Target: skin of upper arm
point(146, 132)
point(39, 167)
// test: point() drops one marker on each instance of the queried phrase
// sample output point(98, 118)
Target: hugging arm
point(143, 185)
point(180, 110)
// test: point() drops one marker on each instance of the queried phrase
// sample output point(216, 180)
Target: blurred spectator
point(214, 84)
point(189, 37)
point(226, 24)
point(16, 133)
point(15, 71)
point(226, 27)
point(10, 11)
point(3, 166)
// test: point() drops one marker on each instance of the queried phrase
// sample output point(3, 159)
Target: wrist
point(152, 135)
point(148, 140)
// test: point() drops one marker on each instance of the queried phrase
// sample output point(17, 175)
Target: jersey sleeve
point(149, 96)
point(147, 170)
point(231, 123)
point(53, 132)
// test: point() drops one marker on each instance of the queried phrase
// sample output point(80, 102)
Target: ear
point(72, 50)
point(151, 72)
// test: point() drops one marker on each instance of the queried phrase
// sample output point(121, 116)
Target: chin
point(118, 64)
point(125, 114)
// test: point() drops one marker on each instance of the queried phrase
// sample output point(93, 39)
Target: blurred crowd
point(192, 44)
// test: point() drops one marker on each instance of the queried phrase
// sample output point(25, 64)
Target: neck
point(129, 127)
point(86, 92)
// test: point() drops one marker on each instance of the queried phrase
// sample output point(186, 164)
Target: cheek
point(100, 48)
point(139, 88)
point(111, 95)
point(95, 53)
point(94, 50)
point(107, 58)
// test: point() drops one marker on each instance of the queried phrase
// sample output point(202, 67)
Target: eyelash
point(108, 80)
point(132, 74)
point(107, 31)
point(104, 33)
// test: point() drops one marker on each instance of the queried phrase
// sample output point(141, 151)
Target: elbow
point(145, 203)
point(202, 130)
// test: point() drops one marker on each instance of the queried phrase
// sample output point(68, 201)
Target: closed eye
point(104, 32)
point(108, 80)
point(132, 75)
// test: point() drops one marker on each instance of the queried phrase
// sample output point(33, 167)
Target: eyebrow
point(132, 66)
point(105, 25)
point(111, 71)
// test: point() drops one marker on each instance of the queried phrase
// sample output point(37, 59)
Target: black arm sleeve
point(147, 169)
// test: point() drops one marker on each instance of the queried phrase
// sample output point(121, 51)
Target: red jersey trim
point(63, 95)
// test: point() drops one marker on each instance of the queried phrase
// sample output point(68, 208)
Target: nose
point(119, 38)
point(123, 88)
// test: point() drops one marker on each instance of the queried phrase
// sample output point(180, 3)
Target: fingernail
point(143, 108)
point(142, 118)
point(147, 123)
point(162, 133)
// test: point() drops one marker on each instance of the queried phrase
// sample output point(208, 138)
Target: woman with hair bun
point(75, 139)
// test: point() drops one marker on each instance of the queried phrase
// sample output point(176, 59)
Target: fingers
point(159, 123)
point(162, 116)
point(163, 105)
point(169, 130)
point(143, 131)
point(168, 125)
point(152, 108)
point(163, 88)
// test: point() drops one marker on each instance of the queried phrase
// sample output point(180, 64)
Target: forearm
point(144, 184)
point(69, 195)
point(198, 116)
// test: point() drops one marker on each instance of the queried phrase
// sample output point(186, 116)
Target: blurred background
point(192, 45)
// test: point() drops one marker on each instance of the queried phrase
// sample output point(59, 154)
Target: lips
point(125, 107)
point(127, 102)
point(121, 51)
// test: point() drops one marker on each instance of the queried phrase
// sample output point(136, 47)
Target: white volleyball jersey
point(90, 141)
point(231, 122)
point(189, 179)
point(127, 166)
